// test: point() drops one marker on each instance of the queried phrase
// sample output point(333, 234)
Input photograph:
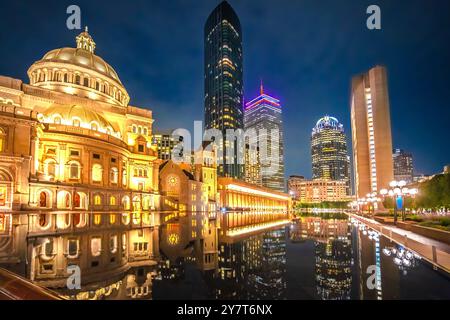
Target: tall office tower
point(252, 165)
point(262, 116)
point(329, 151)
point(371, 132)
point(224, 84)
point(164, 142)
point(403, 165)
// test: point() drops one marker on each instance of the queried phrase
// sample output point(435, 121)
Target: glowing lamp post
point(398, 192)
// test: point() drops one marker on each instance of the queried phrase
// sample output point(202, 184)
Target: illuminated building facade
point(319, 190)
point(330, 159)
point(238, 195)
point(76, 159)
point(165, 143)
point(403, 165)
point(190, 186)
point(371, 132)
point(264, 131)
point(252, 165)
point(294, 186)
point(224, 83)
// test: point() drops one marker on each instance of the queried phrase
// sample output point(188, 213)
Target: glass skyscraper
point(330, 159)
point(262, 115)
point(224, 84)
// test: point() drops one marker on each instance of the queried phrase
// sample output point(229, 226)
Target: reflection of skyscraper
point(371, 132)
point(333, 254)
point(268, 280)
point(262, 118)
point(334, 268)
point(254, 268)
point(329, 151)
point(224, 80)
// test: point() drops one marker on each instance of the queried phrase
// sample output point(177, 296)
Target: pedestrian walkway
point(436, 252)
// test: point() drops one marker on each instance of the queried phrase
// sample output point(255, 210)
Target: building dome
point(80, 72)
point(78, 116)
point(328, 122)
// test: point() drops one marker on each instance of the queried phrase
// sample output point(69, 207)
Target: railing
point(429, 252)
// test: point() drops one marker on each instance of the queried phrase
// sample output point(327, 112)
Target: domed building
point(77, 167)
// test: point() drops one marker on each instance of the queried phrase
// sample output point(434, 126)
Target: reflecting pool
point(230, 256)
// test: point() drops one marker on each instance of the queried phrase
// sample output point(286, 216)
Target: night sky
point(306, 51)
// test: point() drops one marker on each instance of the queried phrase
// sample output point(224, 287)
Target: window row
point(78, 79)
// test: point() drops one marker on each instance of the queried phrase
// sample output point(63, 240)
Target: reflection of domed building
point(75, 157)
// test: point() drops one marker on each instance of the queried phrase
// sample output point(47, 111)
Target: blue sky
point(306, 51)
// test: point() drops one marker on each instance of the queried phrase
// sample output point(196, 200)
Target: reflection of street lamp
point(398, 192)
point(371, 199)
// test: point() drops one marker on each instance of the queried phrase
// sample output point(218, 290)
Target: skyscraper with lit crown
point(262, 115)
point(330, 159)
point(224, 83)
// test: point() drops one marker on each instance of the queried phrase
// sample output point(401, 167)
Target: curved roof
point(328, 122)
point(81, 58)
point(78, 112)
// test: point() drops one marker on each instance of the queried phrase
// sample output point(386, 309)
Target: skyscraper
point(224, 83)
point(329, 151)
point(371, 132)
point(262, 115)
point(403, 165)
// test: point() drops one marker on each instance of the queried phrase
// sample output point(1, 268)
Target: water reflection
point(224, 256)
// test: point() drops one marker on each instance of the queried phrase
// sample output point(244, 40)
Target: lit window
point(96, 246)
point(97, 172)
point(114, 175)
point(112, 201)
point(97, 219)
point(113, 244)
point(74, 171)
point(97, 200)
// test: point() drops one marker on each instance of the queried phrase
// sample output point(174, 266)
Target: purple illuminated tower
point(262, 116)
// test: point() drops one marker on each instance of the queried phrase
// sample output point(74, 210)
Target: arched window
point(74, 171)
point(63, 200)
point(124, 177)
point(43, 199)
point(77, 79)
point(57, 119)
point(86, 81)
point(2, 140)
point(114, 175)
point(96, 246)
point(112, 201)
point(76, 200)
point(139, 130)
point(43, 220)
point(134, 128)
point(126, 203)
point(97, 86)
point(94, 126)
point(50, 168)
point(66, 77)
point(97, 172)
point(136, 203)
point(145, 131)
point(76, 122)
point(97, 219)
point(97, 200)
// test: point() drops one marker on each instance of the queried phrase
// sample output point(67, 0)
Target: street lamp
point(398, 192)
